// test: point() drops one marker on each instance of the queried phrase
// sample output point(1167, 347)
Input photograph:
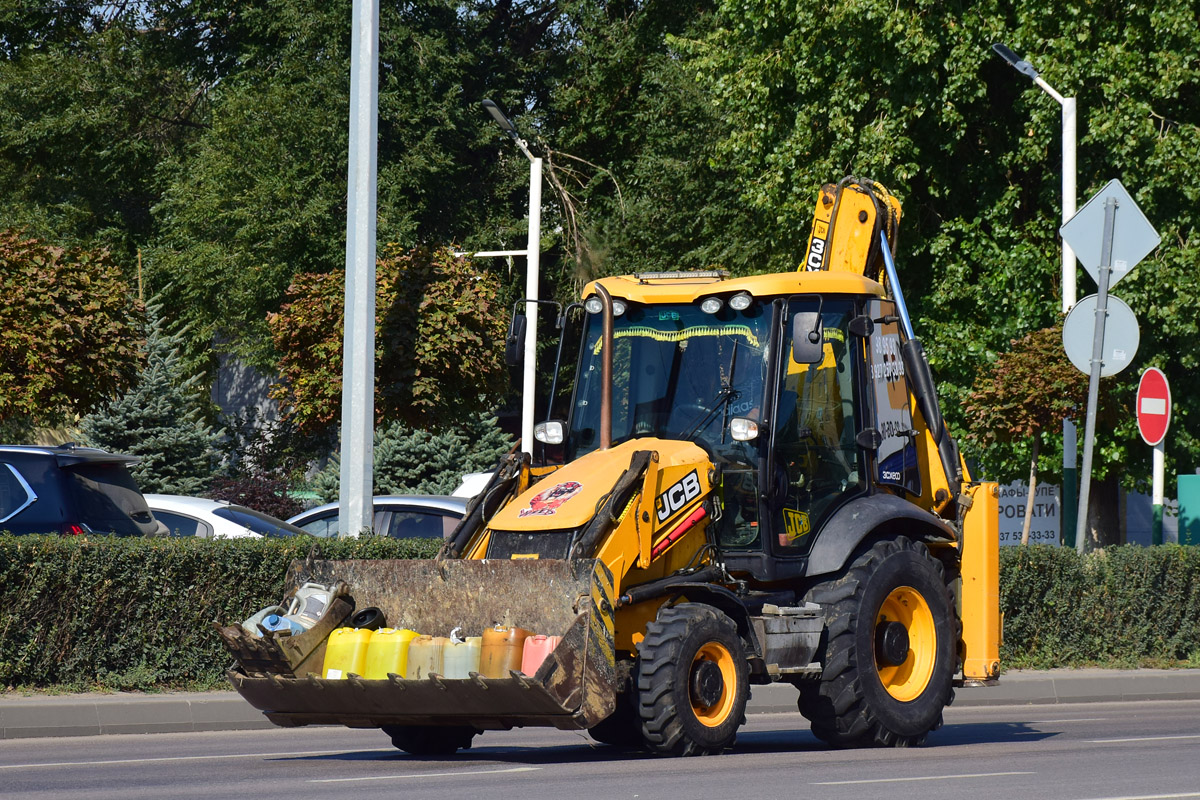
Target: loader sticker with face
point(546, 503)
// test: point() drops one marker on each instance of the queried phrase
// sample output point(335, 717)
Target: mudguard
point(859, 518)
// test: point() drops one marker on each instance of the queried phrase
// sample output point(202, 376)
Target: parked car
point(214, 519)
point(396, 516)
point(71, 490)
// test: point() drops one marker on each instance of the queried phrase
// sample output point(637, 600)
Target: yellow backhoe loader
point(754, 485)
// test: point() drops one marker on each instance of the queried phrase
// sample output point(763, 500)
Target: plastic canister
point(250, 625)
point(273, 622)
point(535, 651)
point(424, 657)
point(501, 651)
point(309, 604)
point(461, 658)
point(346, 652)
point(388, 653)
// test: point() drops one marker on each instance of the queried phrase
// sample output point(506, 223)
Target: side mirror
point(514, 343)
point(808, 338)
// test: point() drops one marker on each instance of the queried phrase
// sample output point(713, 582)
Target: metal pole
point(1069, 273)
point(1156, 496)
point(355, 511)
point(1110, 214)
point(529, 387)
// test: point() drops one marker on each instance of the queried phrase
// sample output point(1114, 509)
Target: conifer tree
point(410, 461)
point(159, 420)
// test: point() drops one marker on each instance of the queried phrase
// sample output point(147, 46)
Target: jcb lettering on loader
point(757, 487)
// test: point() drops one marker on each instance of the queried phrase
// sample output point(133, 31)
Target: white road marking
point(1064, 721)
point(425, 775)
point(1151, 796)
point(185, 758)
point(1146, 739)
point(925, 778)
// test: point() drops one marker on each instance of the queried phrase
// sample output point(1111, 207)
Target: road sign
point(1133, 235)
point(1153, 406)
point(1121, 336)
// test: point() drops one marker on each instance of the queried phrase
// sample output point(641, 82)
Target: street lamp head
point(501, 120)
point(1015, 61)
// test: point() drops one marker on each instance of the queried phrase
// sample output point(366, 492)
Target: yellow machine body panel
point(686, 289)
point(855, 228)
point(980, 593)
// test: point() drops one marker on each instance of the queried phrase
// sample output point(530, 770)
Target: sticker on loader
point(546, 503)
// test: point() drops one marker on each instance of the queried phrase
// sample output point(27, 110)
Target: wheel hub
point(891, 644)
point(707, 683)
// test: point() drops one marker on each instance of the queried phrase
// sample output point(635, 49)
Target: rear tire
point(692, 681)
point(431, 740)
point(890, 652)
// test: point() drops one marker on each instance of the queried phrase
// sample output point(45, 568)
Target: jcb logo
point(796, 526)
point(815, 255)
point(677, 496)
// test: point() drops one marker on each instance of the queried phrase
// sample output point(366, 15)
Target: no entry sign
point(1153, 406)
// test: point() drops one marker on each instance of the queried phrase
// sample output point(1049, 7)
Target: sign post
point(1153, 419)
point(1123, 242)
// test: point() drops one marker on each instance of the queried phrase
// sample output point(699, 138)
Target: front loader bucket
point(574, 688)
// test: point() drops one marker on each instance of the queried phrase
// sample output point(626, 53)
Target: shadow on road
point(584, 750)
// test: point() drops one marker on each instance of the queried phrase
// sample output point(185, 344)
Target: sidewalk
point(94, 714)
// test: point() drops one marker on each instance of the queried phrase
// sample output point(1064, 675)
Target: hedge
point(1124, 606)
point(83, 613)
point(138, 613)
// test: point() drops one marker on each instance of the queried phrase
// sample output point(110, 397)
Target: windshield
point(678, 373)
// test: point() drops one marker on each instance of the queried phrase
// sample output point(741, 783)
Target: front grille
point(510, 544)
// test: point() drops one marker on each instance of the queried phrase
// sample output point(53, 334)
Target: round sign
point(1153, 406)
point(1121, 336)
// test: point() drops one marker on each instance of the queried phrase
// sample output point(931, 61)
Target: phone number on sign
point(1035, 537)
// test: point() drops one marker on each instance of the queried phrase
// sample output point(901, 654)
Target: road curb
point(23, 717)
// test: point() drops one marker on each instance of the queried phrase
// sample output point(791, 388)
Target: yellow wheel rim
point(713, 715)
point(907, 680)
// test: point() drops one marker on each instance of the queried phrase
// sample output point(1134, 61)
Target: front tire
point(431, 740)
point(890, 652)
point(692, 681)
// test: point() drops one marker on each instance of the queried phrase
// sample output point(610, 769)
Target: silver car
point(396, 516)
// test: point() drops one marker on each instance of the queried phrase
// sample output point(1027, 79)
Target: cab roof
point(687, 287)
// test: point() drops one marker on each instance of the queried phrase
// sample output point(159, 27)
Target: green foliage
point(134, 613)
point(919, 102)
point(139, 613)
point(411, 461)
point(1024, 394)
point(68, 336)
point(1125, 606)
point(438, 323)
point(261, 195)
point(91, 107)
point(160, 420)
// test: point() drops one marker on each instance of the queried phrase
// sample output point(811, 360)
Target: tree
point(68, 330)
point(410, 461)
point(1023, 395)
point(160, 420)
point(260, 197)
point(437, 358)
point(93, 98)
point(922, 105)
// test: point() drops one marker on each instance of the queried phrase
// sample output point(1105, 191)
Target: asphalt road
point(1094, 751)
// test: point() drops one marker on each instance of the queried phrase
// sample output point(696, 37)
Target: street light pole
point(533, 268)
point(355, 492)
point(1069, 271)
